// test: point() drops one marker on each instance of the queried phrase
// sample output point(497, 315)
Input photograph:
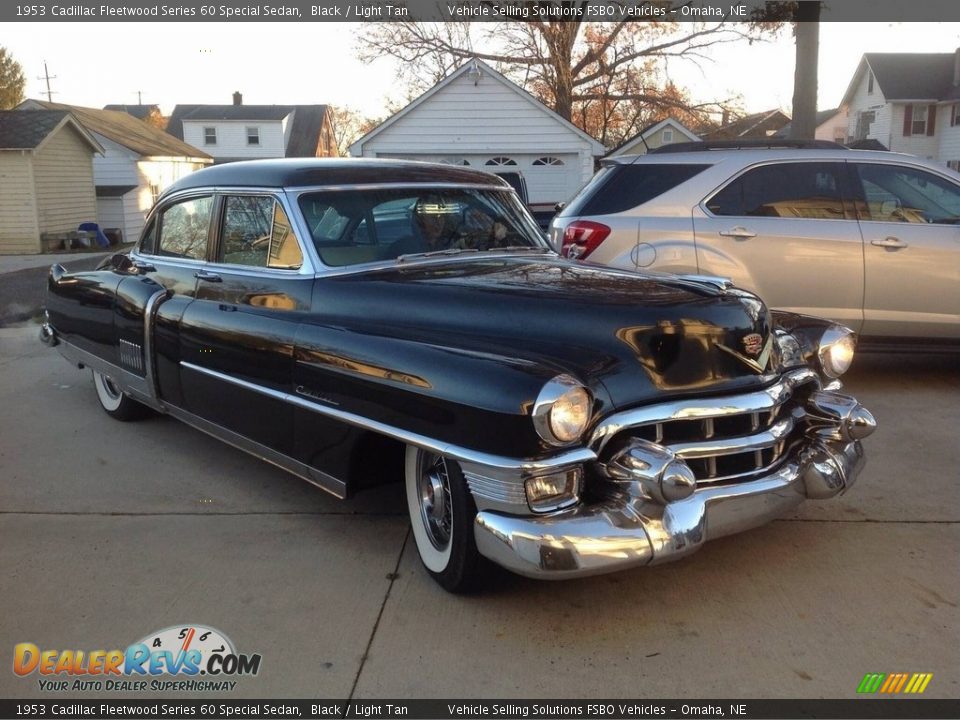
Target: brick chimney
point(237, 98)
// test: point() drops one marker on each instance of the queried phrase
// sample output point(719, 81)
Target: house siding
point(862, 101)
point(19, 232)
point(63, 178)
point(232, 138)
point(923, 145)
point(949, 137)
point(463, 118)
point(117, 165)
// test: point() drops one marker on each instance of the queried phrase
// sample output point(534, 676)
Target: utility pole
point(46, 76)
point(139, 97)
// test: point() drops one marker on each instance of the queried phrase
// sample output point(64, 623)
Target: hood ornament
point(753, 344)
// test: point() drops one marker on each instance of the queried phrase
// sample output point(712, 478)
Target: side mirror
point(559, 206)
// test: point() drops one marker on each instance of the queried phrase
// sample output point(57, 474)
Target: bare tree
point(603, 76)
point(348, 126)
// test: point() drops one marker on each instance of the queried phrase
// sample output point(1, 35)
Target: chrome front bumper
point(632, 528)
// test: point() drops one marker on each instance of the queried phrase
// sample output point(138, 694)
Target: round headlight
point(562, 411)
point(836, 350)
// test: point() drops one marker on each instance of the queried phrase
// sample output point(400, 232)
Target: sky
point(302, 63)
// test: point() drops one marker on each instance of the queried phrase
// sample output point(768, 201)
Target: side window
point(257, 233)
point(184, 228)
point(787, 190)
point(627, 186)
point(902, 194)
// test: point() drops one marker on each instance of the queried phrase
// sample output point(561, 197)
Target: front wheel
point(441, 515)
point(116, 403)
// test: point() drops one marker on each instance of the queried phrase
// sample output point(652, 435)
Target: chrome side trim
point(702, 408)
point(149, 367)
point(495, 464)
point(502, 493)
point(134, 385)
point(303, 471)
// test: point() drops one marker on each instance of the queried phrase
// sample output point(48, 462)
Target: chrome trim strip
point(149, 370)
point(134, 385)
point(298, 190)
point(322, 480)
point(495, 463)
point(702, 408)
point(493, 489)
point(731, 446)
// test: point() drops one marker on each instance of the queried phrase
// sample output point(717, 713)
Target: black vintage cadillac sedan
point(358, 321)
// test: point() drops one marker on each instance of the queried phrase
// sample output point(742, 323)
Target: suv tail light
point(581, 238)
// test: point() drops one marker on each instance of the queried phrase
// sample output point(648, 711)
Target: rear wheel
point(441, 516)
point(116, 403)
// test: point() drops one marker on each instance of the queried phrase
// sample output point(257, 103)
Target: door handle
point(143, 267)
point(890, 243)
point(208, 276)
point(739, 233)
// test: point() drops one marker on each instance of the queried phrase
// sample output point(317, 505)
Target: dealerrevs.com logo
point(185, 657)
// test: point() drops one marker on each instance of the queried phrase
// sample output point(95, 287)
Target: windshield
point(349, 227)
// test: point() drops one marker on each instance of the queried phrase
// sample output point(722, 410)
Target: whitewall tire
point(115, 402)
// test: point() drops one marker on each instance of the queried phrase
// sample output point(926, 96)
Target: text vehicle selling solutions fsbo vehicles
point(352, 321)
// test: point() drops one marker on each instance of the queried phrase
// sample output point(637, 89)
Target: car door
point(237, 337)
point(909, 220)
point(172, 250)
point(785, 230)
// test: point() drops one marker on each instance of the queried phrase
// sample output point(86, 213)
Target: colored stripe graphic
point(870, 683)
point(907, 683)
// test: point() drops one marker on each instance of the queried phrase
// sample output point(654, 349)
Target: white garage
point(477, 117)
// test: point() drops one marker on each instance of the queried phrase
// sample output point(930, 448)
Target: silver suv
point(868, 238)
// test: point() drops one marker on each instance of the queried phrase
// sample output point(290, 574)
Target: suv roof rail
point(748, 144)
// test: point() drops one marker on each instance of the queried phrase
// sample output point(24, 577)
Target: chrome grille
point(724, 439)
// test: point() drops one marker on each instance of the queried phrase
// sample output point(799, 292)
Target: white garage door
point(551, 178)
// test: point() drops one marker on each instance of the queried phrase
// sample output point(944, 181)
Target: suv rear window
point(623, 187)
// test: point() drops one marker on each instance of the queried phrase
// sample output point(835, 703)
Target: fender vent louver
point(131, 355)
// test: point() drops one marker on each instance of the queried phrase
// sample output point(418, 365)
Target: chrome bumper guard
point(640, 523)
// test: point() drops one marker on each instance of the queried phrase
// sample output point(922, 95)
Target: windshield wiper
point(434, 253)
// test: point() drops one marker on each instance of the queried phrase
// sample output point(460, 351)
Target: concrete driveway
point(109, 531)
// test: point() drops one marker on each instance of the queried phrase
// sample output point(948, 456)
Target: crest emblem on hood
point(753, 345)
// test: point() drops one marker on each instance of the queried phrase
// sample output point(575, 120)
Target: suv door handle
point(208, 276)
point(740, 233)
point(891, 243)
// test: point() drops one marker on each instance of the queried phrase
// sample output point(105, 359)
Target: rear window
point(623, 187)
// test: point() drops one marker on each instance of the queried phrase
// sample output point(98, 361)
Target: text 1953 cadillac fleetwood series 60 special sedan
point(354, 321)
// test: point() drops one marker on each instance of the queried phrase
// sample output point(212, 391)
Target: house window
point(955, 115)
point(667, 136)
point(954, 165)
point(454, 161)
point(869, 83)
point(209, 136)
point(919, 124)
point(551, 161)
point(501, 160)
point(253, 136)
point(864, 121)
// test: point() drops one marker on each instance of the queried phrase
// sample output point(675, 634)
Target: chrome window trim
point(310, 262)
point(495, 463)
point(753, 166)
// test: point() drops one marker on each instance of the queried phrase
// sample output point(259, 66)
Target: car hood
point(637, 336)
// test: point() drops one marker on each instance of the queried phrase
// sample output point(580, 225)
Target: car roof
point(747, 156)
point(312, 172)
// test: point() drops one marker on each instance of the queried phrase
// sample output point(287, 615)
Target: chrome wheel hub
point(436, 511)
